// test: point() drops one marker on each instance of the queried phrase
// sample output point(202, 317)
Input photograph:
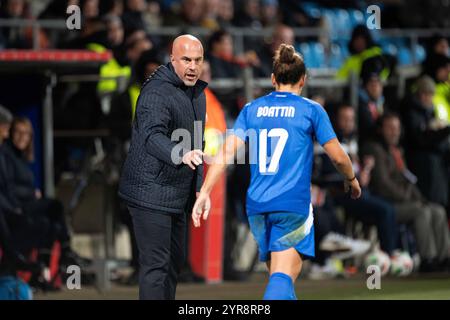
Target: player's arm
point(343, 164)
point(225, 156)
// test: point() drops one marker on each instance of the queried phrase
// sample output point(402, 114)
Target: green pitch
point(414, 287)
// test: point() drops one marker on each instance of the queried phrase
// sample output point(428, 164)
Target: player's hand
point(193, 158)
point(201, 208)
point(353, 187)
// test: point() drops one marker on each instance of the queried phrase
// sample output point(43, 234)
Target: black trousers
point(162, 250)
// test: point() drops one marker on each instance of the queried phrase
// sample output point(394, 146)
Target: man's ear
point(171, 58)
point(274, 82)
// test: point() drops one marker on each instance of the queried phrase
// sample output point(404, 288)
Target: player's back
point(281, 127)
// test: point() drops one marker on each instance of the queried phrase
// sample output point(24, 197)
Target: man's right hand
point(193, 158)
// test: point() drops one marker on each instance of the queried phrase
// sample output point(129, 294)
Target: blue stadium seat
point(344, 49)
point(331, 19)
point(336, 58)
point(318, 52)
point(404, 55)
point(390, 48)
point(305, 50)
point(356, 17)
point(419, 53)
point(342, 22)
point(312, 9)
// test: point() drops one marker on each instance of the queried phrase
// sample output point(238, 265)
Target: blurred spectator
point(116, 68)
point(370, 106)
point(191, 15)
point(152, 15)
point(31, 200)
point(438, 68)
point(392, 180)
point(133, 17)
point(293, 14)
point(428, 141)
point(111, 8)
point(136, 43)
point(363, 50)
point(248, 14)
point(225, 14)
point(56, 9)
point(369, 209)
point(221, 56)
point(281, 34)
point(18, 235)
point(210, 21)
point(269, 12)
point(15, 37)
point(89, 9)
point(437, 44)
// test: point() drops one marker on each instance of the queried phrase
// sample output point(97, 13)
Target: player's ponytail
point(288, 65)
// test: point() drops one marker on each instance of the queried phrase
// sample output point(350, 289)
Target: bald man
point(159, 179)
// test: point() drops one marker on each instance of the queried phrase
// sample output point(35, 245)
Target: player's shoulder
point(313, 106)
point(257, 102)
point(310, 103)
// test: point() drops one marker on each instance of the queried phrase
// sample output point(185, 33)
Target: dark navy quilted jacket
point(149, 177)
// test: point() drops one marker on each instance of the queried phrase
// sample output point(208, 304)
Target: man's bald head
point(187, 58)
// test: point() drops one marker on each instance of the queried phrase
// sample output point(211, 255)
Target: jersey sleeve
point(323, 130)
point(240, 126)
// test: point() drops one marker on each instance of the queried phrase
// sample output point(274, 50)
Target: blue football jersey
point(280, 129)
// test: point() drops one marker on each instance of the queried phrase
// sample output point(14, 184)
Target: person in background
point(392, 181)
point(427, 141)
point(269, 12)
point(369, 209)
point(133, 16)
point(439, 70)
point(15, 37)
point(281, 34)
point(191, 14)
point(225, 14)
point(362, 47)
point(17, 234)
point(370, 106)
point(31, 200)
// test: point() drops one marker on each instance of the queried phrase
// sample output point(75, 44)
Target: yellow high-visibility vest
point(111, 69)
point(133, 92)
point(354, 63)
point(441, 101)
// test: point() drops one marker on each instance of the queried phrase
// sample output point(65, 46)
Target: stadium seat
point(331, 20)
point(312, 9)
point(404, 56)
point(318, 52)
point(336, 58)
point(356, 17)
point(419, 53)
point(390, 48)
point(305, 50)
point(342, 22)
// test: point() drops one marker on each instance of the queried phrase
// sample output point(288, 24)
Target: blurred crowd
point(400, 148)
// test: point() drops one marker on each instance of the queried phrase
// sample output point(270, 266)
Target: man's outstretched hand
point(193, 158)
point(201, 208)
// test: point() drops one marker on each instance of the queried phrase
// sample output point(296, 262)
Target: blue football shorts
point(279, 231)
